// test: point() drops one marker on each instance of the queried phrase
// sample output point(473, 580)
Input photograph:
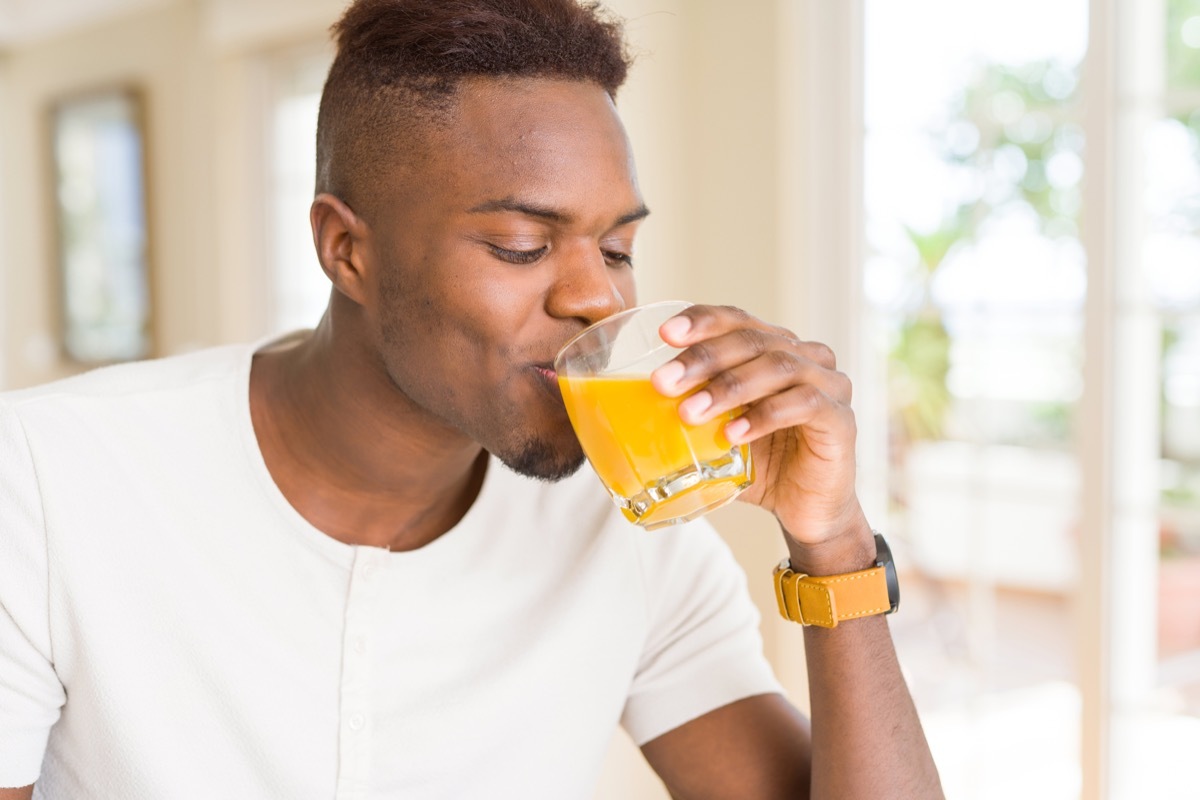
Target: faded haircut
point(400, 63)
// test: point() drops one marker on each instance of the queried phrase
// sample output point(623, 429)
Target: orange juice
point(634, 438)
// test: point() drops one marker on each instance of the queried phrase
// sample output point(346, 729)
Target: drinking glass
point(658, 469)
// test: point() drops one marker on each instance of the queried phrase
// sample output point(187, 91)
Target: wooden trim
point(1118, 445)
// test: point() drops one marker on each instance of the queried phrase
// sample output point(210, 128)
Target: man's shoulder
point(177, 372)
point(91, 439)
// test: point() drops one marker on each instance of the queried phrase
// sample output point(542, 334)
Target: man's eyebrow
point(544, 212)
point(641, 212)
point(520, 207)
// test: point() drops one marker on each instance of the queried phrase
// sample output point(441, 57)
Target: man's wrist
point(850, 551)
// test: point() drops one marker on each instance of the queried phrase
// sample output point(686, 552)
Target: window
point(1172, 258)
point(974, 282)
point(1043, 382)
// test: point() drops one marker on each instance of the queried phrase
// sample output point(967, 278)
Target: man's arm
point(793, 409)
point(30, 691)
point(865, 740)
point(759, 747)
point(869, 741)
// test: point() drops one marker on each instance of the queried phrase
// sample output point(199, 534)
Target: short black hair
point(399, 64)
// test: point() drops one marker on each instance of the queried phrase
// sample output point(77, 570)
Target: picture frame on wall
point(98, 148)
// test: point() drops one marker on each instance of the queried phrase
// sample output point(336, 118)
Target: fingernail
point(669, 374)
point(695, 405)
point(735, 430)
point(676, 328)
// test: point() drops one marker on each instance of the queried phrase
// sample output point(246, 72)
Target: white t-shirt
point(170, 627)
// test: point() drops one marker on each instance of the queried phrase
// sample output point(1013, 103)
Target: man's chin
point(539, 459)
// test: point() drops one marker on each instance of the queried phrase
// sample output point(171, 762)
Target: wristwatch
point(826, 601)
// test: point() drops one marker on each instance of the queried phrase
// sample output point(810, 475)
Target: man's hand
point(796, 416)
point(866, 737)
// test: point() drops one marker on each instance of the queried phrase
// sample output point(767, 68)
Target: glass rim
point(611, 318)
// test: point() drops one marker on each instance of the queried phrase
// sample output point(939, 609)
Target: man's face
point(515, 233)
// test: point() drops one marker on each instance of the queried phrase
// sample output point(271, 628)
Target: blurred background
point(990, 210)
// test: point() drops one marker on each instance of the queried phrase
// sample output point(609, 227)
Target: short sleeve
point(30, 692)
point(703, 649)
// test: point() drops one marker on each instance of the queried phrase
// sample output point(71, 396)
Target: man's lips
point(549, 380)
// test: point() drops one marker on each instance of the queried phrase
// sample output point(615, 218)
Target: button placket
point(354, 736)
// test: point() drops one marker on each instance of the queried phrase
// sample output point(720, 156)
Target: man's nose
point(586, 288)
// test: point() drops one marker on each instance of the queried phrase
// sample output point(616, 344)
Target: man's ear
point(340, 237)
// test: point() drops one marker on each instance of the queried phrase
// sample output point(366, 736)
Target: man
point(352, 562)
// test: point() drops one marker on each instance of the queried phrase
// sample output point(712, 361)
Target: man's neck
point(352, 454)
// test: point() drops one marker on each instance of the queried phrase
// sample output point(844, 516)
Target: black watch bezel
point(883, 558)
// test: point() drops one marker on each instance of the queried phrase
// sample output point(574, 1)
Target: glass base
point(691, 492)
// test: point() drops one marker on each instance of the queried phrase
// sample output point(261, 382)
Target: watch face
point(883, 558)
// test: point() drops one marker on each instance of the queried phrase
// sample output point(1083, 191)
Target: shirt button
point(356, 722)
point(360, 645)
point(368, 571)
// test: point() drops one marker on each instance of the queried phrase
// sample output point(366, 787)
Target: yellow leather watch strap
point(828, 600)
